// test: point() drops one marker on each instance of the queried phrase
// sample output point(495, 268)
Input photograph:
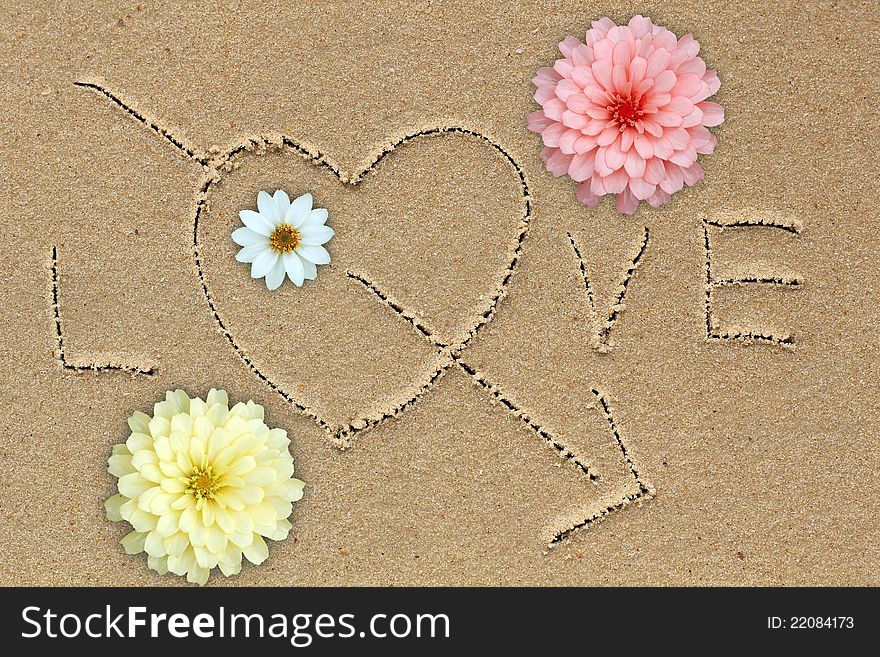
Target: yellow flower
point(202, 485)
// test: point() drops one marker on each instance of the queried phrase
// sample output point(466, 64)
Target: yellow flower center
point(284, 239)
point(203, 483)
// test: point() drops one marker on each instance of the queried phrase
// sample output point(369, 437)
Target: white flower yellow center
point(284, 239)
point(203, 483)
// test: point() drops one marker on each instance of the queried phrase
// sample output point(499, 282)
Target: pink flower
point(626, 113)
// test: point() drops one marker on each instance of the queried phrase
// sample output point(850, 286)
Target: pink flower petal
point(639, 25)
point(582, 167)
point(602, 72)
point(664, 81)
point(620, 54)
point(583, 76)
point(608, 136)
point(578, 103)
point(577, 121)
point(667, 119)
point(687, 85)
point(602, 169)
point(567, 140)
point(713, 113)
point(657, 62)
point(616, 182)
point(582, 56)
point(568, 44)
point(678, 137)
point(619, 80)
point(566, 88)
point(546, 75)
point(558, 163)
point(614, 157)
point(596, 94)
point(537, 121)
point(696, 66)
point(644, 46)
point(642, 87)
point(709, 147)
point(653, 101)
point(689, 45)
point(674, 179)
point(595, 127)
point(544, 94)
point(665, 39)
point(652, 128)
point(678, 104)
point(585, 195)
point(641, 190)
point(659, 198)
point(599, 113)
point(663, 148)
point(563, 67)
point(644, 146)
point(654, 171)
point(626, 202)
point(684, 158)
point(634, 165)
point(637, 68)
point(552, 134)
point(585, 143)
point(693, 174)
point(699, 135)
point(553, 109)
point(711, 78)
point(693, 119)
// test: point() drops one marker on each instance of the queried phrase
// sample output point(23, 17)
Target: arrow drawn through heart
point(449, 352)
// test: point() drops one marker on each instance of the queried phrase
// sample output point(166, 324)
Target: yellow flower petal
point(112, 507)
point(133, 542)
point(256, 552)
point(139, 422)
point(153, 544)
point(120, 465)
point(132, 485)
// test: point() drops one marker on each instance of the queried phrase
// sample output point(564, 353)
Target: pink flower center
point(625, 111)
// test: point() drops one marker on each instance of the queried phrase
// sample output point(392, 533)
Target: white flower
point(283, 237)
point(202, 485)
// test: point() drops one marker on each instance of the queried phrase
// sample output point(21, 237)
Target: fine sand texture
point(491, 383)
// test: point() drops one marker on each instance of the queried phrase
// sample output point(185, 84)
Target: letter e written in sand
point(714, 281)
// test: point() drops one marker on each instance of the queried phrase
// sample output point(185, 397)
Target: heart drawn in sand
point(433, 222)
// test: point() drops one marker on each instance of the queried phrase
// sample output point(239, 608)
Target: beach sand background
point(761, 458)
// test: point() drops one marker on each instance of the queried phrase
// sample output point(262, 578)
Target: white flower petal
point(250, 253)
point(317, 217)
point(299, 210)
point(266, 205)
point(282, 203)
point(294, 268)
point(316, 254)
point(247, 237)
point(275, 277)
point(310, 271)
point(315, 235)
point(264, 263)
point(256, 221)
